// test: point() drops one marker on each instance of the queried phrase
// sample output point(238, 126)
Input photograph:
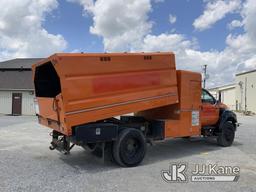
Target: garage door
point(5, 102)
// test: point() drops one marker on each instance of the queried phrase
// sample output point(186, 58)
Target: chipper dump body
point(74, 89)
point(79, 95)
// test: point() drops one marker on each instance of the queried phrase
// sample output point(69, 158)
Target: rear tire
point(130, 148)
point(227, 135)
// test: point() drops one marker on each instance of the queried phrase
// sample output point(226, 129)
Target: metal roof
point(16, 80)
point(25, 63)
point(243, 73)
point(223, 87)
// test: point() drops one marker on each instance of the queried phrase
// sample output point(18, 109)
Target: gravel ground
point(10, 120)
point(26, 163)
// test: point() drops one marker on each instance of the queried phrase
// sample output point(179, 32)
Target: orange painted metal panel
point(52, 113)
point(210, 114)
point(100, 86)
point(47, 111)
point(181, 119)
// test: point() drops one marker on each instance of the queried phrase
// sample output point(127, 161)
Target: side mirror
point(214, 101)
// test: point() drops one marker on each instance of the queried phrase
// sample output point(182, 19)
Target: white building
point(16, 87)
point(226, 94)
point(246, 91)
point(240, 96)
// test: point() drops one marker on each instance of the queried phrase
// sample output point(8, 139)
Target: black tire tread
point(117, 143)
point(221, 138)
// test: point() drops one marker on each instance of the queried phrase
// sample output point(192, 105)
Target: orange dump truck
point(80, 96)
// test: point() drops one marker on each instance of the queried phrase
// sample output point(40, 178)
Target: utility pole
point(245, 95)
point(205, 75)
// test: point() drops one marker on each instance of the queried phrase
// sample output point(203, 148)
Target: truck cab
point(217, 119)
point(210, 109)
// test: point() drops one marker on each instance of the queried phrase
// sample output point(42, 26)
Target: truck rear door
point(49, 103)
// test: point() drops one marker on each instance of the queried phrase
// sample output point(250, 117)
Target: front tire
point(130, 148)
point(227, 135)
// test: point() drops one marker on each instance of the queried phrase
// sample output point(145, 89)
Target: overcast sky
point(219, 33)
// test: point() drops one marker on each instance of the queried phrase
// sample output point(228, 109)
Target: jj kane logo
point(201, 173)
point(176, 173)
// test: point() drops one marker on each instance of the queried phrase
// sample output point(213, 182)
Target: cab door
point(209, 109)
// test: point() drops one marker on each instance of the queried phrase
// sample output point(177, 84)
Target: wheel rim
point(132, 147)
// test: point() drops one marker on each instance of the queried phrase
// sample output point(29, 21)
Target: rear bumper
point(53, 124)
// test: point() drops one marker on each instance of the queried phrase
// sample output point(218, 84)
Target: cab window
point(207, 97)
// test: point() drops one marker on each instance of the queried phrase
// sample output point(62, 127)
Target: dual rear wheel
point(130, 147)
point(128, 150)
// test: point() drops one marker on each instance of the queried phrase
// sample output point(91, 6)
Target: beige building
point(246, 91)
point(240, 96)
point(226, 94)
